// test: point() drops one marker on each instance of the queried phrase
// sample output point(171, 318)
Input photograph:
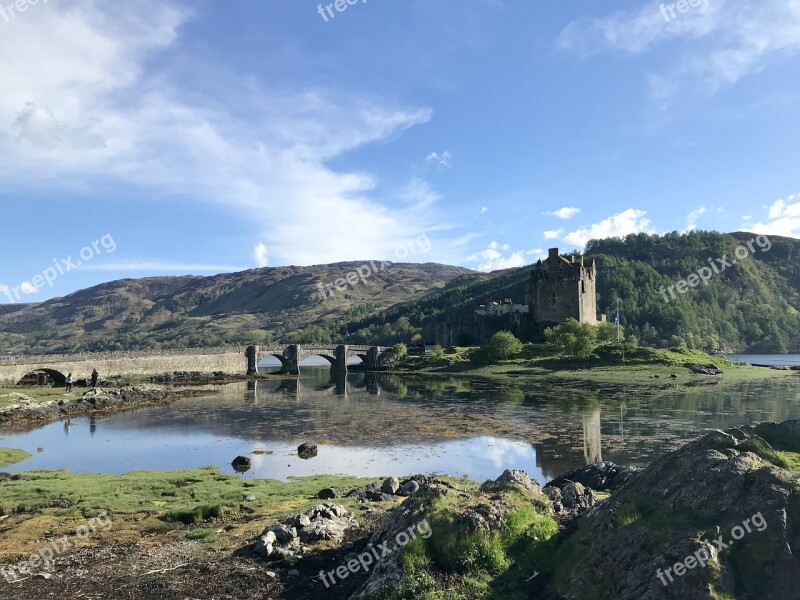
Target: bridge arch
point(306, 355)
point(59, 379)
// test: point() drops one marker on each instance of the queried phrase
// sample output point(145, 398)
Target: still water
point(777, 360)
point(380, 425)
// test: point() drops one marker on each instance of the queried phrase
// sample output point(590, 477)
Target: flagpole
point(618, 320)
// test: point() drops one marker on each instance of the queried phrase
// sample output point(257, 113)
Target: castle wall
point(561, 289)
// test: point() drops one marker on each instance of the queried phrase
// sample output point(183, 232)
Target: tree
point(572, 338)
point(399, 351)
point(607, 332)
point(437, 353)
point(501, 346)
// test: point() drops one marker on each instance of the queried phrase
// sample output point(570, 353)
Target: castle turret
point(563, 287)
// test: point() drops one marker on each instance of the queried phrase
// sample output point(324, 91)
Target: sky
point(144, 138)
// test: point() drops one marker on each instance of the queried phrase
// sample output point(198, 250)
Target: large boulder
point(716, 518)
point(599, 477)
point(512, 477)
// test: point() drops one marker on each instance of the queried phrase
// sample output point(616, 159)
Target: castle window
point(583, 287)
point(555, 298)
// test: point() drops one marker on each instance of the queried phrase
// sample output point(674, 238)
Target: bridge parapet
point(27, 359)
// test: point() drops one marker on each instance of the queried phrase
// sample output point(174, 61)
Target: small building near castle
point(559, 288)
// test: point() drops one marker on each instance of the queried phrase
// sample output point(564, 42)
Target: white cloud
point(87, 100)
point(564, 213)
point(484, 210)
point(553, 234)
point(618, 225)
point(691, 218)
point(723, 40)
point(785, 219)
point(260, 255)
point(28, 288)
point(442, 161)
point(497, 256)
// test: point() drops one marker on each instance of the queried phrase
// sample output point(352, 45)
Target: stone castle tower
point(562, 287)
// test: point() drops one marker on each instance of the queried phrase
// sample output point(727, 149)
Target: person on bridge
point(69, 383)
point(94, 379)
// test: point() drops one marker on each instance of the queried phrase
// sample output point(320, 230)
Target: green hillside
point(752, 305)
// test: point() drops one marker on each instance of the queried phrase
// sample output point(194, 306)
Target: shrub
point(501, 346)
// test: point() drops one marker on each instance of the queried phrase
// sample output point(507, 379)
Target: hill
point(752, 305)
point(258, 306)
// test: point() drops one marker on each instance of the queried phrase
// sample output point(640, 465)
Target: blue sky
point(208, 136)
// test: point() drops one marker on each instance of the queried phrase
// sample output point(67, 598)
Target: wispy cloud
point(497, 256)
point(91, 103)
point(441, 161)
point(692, 217)
point(723, 41)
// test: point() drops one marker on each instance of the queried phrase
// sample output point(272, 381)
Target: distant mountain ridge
point(258, 305)
point(754, 306)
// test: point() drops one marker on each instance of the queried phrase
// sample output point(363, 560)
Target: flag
point(616, 319)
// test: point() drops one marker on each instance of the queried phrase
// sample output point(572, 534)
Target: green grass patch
point(10, 456)
point(197, 514)
point(202, 534)
point(158, 493)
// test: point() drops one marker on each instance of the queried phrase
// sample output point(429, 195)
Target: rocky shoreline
point(27, 411)
point(717, 518)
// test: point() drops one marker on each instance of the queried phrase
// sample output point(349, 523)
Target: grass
point(10, 456)
point(610, 363)
point(472, 566)
point(202, 534)
point(36, 394)
point(153, 502)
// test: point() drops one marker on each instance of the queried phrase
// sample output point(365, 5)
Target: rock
point(249, 498)
point(307, 450)
point(266, 543)
point(709, 369)
point(283, 533)
point(327, 522)
point(599, 477)
point(512, 477)
point(282, 541)
point(293, 573)
point(391, 485)
point(271, 574)
point(482, 519)
point(577, 497)
point(327, 494)
point(370, 493)
point(724, 484)
point(553, 493)
point(241, 464)
point(409, 487)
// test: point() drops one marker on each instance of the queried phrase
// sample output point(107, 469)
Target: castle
point(562, 287)
point(559, 288)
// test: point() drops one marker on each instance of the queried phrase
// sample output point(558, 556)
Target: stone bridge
point(231, 361)
point(372, 357)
